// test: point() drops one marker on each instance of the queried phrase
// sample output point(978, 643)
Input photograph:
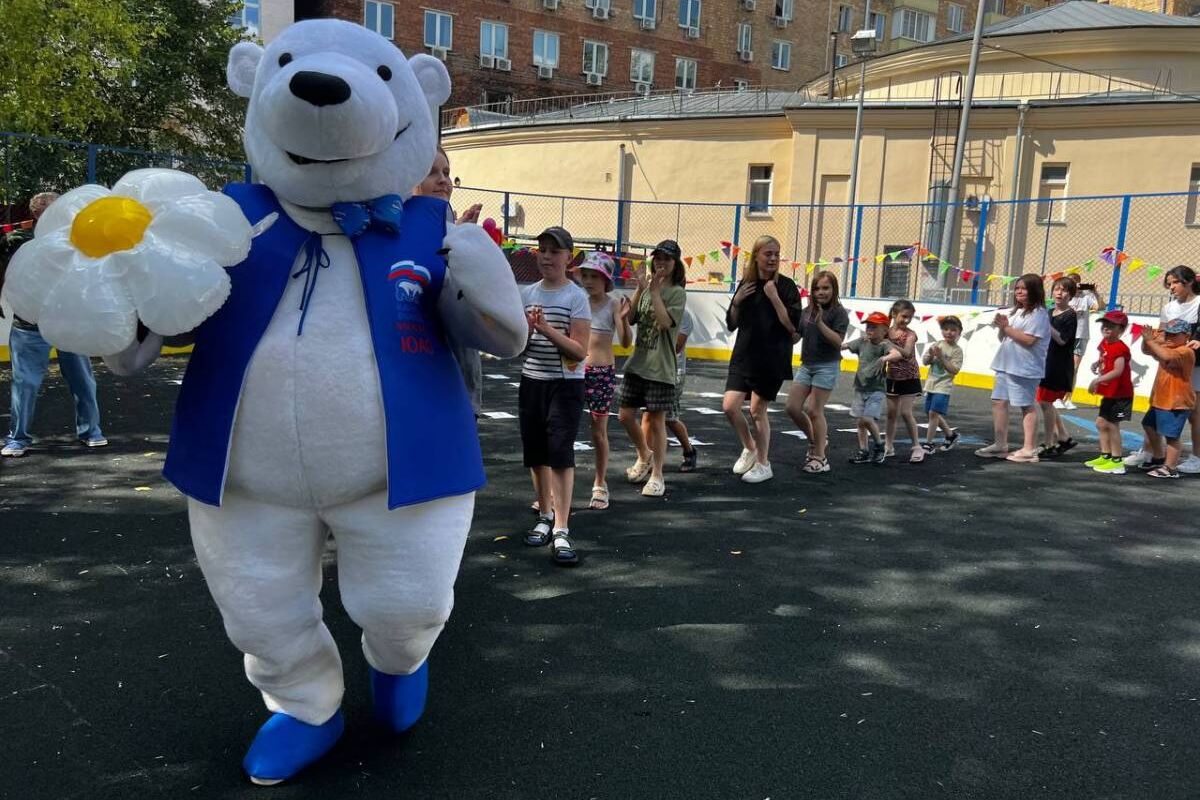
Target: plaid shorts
point(599, 386)
point(637, 392)
point(673, 414)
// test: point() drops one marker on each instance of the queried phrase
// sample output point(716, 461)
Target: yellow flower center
point(109, 224)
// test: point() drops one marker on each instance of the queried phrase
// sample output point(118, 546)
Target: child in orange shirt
point(1172, 398)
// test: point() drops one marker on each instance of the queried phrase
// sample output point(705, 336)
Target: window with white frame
point(689, 13)
point(1025, 9)
point(685, 73)
point(845, 18)
point(493, 39)
point(380, 17)
point(641, 66)
point(545, 49)
point(439, 29)
point(758, 190)
point(1193, 201)
point(645, 9)
point(914, 25)
point(248, 16)
point(954, 18)
point(785, 9)
point(741, 85)
point(781, 55)
point(745, 37)
point(1052, 193)
point(595, 58)
point(878, 23)
point(993, 6)
point(841, 60)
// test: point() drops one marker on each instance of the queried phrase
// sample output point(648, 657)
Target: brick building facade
point(499, 50)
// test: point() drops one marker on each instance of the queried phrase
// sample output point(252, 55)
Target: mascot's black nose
point(319, 89)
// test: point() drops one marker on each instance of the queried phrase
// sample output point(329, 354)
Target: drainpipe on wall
point(832, 60)
point(1016, 186)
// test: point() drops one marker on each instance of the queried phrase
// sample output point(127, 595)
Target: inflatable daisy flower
point(151, 248)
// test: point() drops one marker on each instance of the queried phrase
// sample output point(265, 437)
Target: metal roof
point(1078, 15)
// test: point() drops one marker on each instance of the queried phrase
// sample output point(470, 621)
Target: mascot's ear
point(243, 64)
point(434, 79)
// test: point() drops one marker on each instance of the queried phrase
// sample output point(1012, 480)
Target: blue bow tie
point(382, 212)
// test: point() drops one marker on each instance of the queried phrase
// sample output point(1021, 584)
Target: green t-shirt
point(654, 351)
point(940, 381)
point(868, 377)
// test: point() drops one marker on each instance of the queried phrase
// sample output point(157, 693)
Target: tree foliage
point(145, 74)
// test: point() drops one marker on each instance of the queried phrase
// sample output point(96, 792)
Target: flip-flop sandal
point(599, 498)
point(1022, 457)
point(917, 456)
point(539, 535)
point(655, 487)
point(1163, 472)
point(562, 553)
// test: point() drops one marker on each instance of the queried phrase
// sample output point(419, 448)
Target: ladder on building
point(947, 110)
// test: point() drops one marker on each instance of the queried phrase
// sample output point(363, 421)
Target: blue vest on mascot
point(432, 444)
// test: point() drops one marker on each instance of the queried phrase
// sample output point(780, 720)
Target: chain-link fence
point(1121, 244)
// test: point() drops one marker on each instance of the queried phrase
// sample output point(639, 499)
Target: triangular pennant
point(943, 268)
point(860, 314)
point(1122, 257)
point(701, 258)
point(1090, 264)
point(1135, 330)
point(713, 255)
point(1154, 271)
point(1136, 264)
point(725, 248)
point(687, 260)
point(809, 267)
point(879, 258)
point(575, 253)
point(734, 251)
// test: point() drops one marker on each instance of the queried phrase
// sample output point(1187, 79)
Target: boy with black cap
point(551, 395)
point(1172, 398)
point(1114, 384)
point(650, 372)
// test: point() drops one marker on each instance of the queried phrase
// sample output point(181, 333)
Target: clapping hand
point(623, 308)
point(471, 215)
point(1000, 320)
point(535, 317)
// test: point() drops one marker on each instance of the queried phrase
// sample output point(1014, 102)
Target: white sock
point(560, 535)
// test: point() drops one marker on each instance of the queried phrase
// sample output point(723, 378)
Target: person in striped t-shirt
point(551, 394)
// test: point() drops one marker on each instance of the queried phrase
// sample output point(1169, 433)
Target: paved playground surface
point(961, 629)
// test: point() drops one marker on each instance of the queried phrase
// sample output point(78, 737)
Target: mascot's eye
point(384, 73)
point(285, 59)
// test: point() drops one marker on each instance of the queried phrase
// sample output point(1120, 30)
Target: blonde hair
point(751, 273)
point(41, 201)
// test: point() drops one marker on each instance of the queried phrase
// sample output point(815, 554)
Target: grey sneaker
point(14, 449)
point(95, 441)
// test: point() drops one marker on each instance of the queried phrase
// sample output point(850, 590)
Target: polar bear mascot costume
point(321, 396)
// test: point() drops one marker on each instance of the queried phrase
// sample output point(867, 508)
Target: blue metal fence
point(1120, 243)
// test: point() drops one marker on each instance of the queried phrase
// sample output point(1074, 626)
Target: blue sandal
point(539, 534)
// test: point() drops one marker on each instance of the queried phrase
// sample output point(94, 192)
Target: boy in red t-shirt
point(1114, 384)
point(1172, 398)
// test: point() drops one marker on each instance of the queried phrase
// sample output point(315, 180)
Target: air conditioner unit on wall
point(648, 23)
point(642, 88)
point(487, 62)
point(545, 73)
point(503, 64)
point(439, 53)
point(600, 12)
point(749, 5)
point(780, 22)
point(746, 55)
point(550, 5)
point(594, 79)
point(693, 33)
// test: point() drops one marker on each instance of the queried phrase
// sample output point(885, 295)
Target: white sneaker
point(745, 461)
point(1068, 404)
point(758, 473)
point(1059, 403)
point(1136, 458)
point(13, 449)
point(1190, 465)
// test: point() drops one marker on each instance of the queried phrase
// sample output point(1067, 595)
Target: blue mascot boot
point(284, 745)
point(400, 699)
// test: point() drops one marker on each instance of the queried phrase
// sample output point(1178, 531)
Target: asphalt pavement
point(960, 628)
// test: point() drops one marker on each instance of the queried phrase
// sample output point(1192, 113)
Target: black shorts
point(637, 392)
point(1116, 409)
point(549, 413)
point(766, 388)
point(905, 388)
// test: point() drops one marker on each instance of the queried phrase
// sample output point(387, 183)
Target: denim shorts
point(1017, 391)
point(937, 401)
point(819, 374)
point(867, 404)
point(1168, 422)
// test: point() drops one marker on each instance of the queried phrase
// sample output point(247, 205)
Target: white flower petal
point(148, 185)
point(173, 289)
point(61, 213)
point(88, 313)
point(208, 224)
point(34, 270)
